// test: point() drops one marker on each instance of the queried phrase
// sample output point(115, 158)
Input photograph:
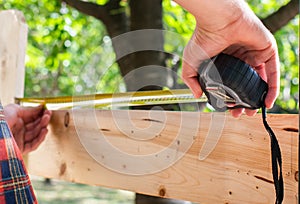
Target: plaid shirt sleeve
point(15, 185)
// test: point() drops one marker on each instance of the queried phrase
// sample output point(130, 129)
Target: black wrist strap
point(276, 160)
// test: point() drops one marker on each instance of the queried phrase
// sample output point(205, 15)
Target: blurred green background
point(64, 45)
point(59, 192)
point(62, 42)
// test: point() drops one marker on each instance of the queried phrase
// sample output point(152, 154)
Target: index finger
point(190, 78)
point(31, 113)
point(193, 56)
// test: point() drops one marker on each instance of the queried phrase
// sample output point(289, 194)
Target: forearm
point(216, 13)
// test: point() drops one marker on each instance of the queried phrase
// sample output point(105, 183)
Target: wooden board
point(13, 41)
point(157, 153)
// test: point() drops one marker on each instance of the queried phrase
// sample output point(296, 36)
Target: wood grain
point(157, 153)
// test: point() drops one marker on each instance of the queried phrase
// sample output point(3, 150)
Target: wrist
point(215, 12)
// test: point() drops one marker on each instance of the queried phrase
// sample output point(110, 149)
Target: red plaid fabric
point(15, 185)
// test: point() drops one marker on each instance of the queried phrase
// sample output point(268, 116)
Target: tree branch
point(111, 14)
point(282, 16)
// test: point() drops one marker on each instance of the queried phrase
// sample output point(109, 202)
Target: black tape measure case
point(226, 78)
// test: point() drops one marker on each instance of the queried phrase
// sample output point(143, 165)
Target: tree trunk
point(144, 69)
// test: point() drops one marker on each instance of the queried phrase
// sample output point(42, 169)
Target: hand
point(230, 27)
point(28, 125)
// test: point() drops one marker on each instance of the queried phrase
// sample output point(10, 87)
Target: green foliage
point(60, 192)
point(61, 44)
point(263, 8)
point(70, 53)
point(288, 46)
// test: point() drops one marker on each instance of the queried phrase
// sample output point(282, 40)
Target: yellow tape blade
point(109, 100)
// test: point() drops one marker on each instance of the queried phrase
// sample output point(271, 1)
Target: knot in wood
point(162, 191)
point(67, 119)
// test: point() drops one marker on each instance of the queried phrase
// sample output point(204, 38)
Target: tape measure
point(110, 100)
point(225, 76)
